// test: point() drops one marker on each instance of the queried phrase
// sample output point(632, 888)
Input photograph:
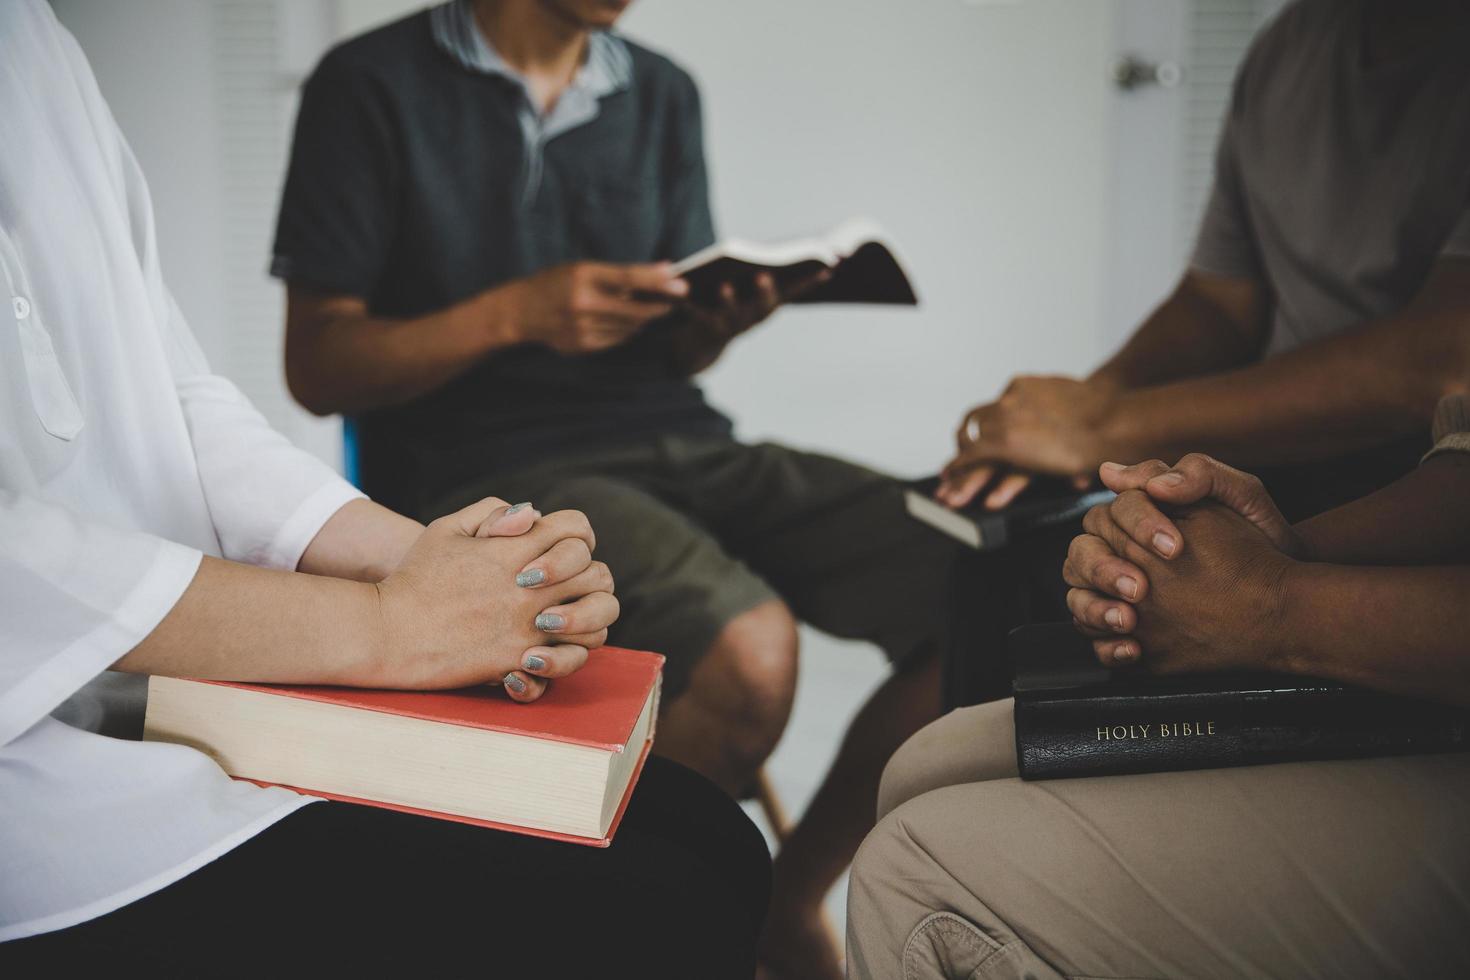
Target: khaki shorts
point(1353, 870)
point(700, 530)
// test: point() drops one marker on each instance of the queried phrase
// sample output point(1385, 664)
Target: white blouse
point(122, 461)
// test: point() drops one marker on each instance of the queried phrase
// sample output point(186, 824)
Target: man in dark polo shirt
point(482, 203)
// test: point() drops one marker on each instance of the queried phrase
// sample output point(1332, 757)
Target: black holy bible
point(1077, 718)
point(1046, 503)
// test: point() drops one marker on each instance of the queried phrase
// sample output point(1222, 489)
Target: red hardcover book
point(562, 767)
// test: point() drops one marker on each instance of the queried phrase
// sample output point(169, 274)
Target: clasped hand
point(1186, 569)
point(492, 594)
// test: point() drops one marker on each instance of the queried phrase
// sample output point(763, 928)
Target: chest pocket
point(617, 220)
point(52, 397)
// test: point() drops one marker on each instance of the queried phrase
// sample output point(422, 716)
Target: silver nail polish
point(533, 662)
point(515, 683)
point(530, 577)
point(546, 622)
point(518, 508)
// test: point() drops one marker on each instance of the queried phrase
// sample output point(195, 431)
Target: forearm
point(1399, 630)
point(1322, 400)
point(239, 622)
point(1193, 332)
point(363, 541)
point(340, 359)
point(1413, 521)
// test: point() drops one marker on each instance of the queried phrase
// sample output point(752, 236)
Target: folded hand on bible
point(492, 594)
point(1196, 588)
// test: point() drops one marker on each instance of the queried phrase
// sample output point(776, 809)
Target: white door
point(1175, 61)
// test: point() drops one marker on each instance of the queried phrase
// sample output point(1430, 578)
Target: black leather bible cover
point(1046, 503)
point(1076, 718)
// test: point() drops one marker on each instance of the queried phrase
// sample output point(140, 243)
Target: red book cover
point(597, 707)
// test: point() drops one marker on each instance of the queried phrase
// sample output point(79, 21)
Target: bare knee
point(749, 679)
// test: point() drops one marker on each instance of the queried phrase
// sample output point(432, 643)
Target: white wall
point(974, 133)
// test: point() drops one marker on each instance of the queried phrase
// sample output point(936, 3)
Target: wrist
point(394, 545)
point(366, 636)
point(1305, 547)
point(498, 313)
point(1287, 647)
point(1104, 379)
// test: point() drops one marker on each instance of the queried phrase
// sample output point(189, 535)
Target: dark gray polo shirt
point(421, 175)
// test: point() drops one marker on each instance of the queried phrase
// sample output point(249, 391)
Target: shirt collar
point(608, 67)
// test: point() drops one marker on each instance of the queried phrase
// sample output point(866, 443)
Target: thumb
point(1198, 476)
point(489, 517)
point(510, 522)
point(657, 278)
point(1119, 478)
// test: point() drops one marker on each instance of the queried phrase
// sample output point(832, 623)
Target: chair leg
point(780, 823)
point(771, 807)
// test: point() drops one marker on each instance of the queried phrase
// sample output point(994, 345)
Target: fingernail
point(1164, 544)
point(530, 577)
point(547, 622)
point(1124, 654)
point(1128, 586)
point(515, 683)
point(1170, 479)
point(1114, 616)
point(1112, 467)
point(533, 662)
point(518, 508)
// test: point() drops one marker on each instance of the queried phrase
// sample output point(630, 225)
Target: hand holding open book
point(852, 263)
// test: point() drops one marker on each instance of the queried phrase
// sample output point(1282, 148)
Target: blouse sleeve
point(267, 499)
point(76, 596)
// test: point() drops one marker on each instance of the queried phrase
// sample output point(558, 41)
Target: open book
point(561, 767)
point(865, 268)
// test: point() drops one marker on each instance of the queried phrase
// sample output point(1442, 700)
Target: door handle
point(1133, 72)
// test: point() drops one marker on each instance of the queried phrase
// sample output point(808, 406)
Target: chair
point(351, 468)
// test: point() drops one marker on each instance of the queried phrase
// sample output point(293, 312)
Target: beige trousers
point(1330, 869)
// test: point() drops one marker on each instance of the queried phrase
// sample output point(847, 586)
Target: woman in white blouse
point(151, 522)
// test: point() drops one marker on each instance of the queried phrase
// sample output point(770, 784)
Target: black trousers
point(337, 889)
